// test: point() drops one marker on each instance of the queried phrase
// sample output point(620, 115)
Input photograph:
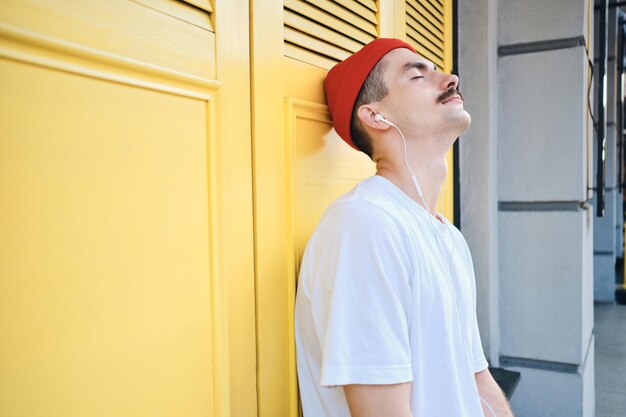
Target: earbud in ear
point(381, 118)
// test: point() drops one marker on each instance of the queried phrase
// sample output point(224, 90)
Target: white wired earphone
point(381, 118)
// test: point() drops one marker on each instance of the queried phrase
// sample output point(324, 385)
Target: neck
point(429, 165)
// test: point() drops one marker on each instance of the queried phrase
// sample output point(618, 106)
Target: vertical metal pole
point(601, 120)
point(620, 101)
point(620, 291)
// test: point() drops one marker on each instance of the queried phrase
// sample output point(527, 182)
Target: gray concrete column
point(524, 179)
point(545, 226)
point(477, 62)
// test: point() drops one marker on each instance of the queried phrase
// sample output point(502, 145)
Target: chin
point(468, 120)
point(461, 122)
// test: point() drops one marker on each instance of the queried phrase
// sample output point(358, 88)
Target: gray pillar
point(478, 160)
point(525, 162)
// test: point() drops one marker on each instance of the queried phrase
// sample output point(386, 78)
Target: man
point(385, 309)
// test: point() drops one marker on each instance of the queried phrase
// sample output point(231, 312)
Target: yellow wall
point(162, 164)
point(126, 249)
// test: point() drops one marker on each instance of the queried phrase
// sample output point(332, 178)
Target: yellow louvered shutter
point(201, 4)
point(426, 30)
point(323, 32)
point(195, 12)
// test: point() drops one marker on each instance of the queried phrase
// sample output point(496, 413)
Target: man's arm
point(491, 392)
point(379, 400)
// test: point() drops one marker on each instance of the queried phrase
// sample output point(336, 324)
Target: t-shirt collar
point(407, 201)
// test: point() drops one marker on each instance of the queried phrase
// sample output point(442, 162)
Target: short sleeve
point(480, 362)
point(361, 297)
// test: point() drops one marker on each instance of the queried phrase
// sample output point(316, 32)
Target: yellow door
point(300, 164)
point(126, 241)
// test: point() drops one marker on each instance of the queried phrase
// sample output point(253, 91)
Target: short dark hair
point(373, 89)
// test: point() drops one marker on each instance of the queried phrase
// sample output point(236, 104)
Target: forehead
point(400, 59)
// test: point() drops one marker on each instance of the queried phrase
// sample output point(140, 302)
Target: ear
point(367, 115)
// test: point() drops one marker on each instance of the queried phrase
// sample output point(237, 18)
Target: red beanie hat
point(344, 81)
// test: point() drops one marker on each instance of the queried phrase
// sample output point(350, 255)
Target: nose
point(449, 81)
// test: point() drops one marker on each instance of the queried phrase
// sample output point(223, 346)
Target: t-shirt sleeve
point(480, 362)
point(361, 298)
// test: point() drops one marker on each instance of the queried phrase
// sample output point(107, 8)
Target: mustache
point(449, 93)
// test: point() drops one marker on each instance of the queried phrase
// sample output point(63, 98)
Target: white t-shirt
point(386, 295)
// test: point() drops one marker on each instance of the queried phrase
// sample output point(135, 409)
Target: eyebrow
point(417, 64)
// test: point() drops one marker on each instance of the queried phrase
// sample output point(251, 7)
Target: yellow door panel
point(300, 164)
point(149, 31)
point(106, 292)
point(126, 241)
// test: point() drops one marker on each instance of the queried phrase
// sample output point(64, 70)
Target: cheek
point(408, 99)
point(411, 102)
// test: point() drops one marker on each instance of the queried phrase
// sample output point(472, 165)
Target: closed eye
point(418, 67)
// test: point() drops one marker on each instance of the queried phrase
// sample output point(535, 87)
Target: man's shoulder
point(360, 207)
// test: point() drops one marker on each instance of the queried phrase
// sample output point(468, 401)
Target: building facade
point(543, 146)
point(165, 161)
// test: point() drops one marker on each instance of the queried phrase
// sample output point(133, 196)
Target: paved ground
point(610, 331)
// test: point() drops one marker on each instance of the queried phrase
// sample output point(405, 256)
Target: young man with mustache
point(386, 302)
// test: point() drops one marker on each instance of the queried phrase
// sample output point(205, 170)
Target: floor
point(610, 361)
